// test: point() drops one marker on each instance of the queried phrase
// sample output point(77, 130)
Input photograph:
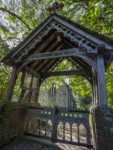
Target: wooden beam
point(47, 49)
point(32, 71)
point(58, 54)
point(11, 85)
point(78, 52)
point(50, 65)
point(63, 73)
point(43, 62)
point(55, 64)
point(83, 64)
point(75, 63)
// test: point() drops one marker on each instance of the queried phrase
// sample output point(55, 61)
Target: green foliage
point(83, 102)
point(109, 81)
point(20, 17)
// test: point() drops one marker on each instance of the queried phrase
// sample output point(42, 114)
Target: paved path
point(31, 143)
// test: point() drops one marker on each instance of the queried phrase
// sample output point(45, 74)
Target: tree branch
point(14, 15)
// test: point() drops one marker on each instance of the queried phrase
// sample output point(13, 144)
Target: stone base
point(102, 118)
point(12, 122)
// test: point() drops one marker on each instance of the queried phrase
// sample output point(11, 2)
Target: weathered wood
point(102, 94)
point(82, 64)
point(61, 53)
point(11, 85)
point(63, 73)
point(82, 32)
point(51, 65)
point(54, 46)
point(46, 61)
point(22, 95)
point(32, 71)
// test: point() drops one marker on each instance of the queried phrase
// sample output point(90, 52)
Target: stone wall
point(61, 98)
point(12, 122)
point(103, 128)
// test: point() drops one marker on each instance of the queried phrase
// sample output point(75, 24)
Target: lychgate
point(52, 41)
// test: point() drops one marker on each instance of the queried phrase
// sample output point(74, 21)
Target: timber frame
point(52, 41)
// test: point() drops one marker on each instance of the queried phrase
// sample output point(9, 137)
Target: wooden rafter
point(55, 64)
point(84, 65)
point(44, 46)
point(45, 62)
point(75, 63)
point(51, 64)
point(32, 71)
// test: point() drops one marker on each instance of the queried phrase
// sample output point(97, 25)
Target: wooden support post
point(88, 135)
point(63, 131)
point(102, 94)
point(71, 132)
point(45, 128)
point(21, 86)
point(94, 90)
point(38, 90)
point(54, 124)
point(11, 85)
point(78, 133)
point(22, 95)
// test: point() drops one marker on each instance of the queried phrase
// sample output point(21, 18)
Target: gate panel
point(60, 125)
point(43, 119)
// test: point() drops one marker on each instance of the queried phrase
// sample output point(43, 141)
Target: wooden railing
point(45, 123)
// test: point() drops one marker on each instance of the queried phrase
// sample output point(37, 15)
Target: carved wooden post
point(78, 133)
point(63, 131)
point(11, 85)
point(54, 127)
point(38, 89)
point(87, 127)
point(94, 90)
point(21, 95)
point(102, 94)
point(22, 90)
point(71, 132)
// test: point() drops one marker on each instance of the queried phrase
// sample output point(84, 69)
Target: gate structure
point(50, 123)
point(36, 57)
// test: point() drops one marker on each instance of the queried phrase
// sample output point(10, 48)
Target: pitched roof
point(45, 35)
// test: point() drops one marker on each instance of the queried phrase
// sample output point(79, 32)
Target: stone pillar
point(102, 118)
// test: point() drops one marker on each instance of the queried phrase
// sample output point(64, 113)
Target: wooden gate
point(60, 125)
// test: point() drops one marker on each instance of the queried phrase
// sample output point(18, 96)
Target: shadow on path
point(32, 143)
